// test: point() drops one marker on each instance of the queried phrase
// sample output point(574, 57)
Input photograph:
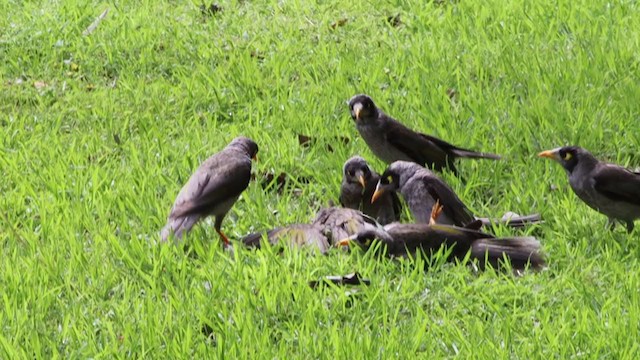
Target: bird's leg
point(217, 226)
point(611, 224)
point(436, 210)
point(630, 226)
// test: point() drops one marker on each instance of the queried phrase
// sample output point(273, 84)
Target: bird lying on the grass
point(329, 226)
point(405, 240)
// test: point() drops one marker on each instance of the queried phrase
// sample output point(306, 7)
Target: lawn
point(100, 132)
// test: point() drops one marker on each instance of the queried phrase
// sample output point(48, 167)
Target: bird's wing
point(213, 182)
point(419, 147)
point(618, 183)
point(453, 206)
point(397, 205)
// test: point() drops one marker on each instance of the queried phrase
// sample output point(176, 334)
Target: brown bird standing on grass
point(391, 141)
point(212, 189)
point(358, 185)
point(405, 240)
point(607, 188)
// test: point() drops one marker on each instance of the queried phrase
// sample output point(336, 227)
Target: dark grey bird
point(607, 188)
point(212, 189)
point(358, 185)
point(329, 226)
point(421, 188)
point(391, 141)
point(405, 240)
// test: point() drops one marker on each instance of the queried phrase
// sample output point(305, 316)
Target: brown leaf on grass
point(394, 20)
point(307, 141)
point(340, 280)
point(452, 94)
point(304, 140)
point(211, 9)
point(269, 180)
point(339, 23)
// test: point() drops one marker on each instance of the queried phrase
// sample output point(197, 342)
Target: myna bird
point(607, 188)
point(212, 189)
point(421, 188)
point(404, 240)
point(297, 235)
point(339, 223)
point(330, 225)
point(358, 185)
point(391, 141)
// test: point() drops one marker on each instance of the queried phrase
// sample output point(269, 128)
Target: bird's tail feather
point(515, 221)
point(520, 251)
point(253, 240)
point(178, 226)
point(470, 154)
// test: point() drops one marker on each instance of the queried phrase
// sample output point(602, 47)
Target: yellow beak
point(550, 154)
point(357, 109)
point(377, 194)
point(361, 181)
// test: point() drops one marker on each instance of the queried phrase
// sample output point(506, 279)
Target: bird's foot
point(630, 226)
point(436, 210)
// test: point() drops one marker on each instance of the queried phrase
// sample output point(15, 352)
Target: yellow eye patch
point(567, 156)
point(389, 179)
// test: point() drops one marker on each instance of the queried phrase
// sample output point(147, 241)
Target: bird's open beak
point(550, 154)
point(255, 157)
point(379, 191)
point(362, 181)
point(357, 109)
point(344, 242)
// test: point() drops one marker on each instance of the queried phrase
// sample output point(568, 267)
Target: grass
point(99, 133)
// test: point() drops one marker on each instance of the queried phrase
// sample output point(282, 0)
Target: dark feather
point(618, 184)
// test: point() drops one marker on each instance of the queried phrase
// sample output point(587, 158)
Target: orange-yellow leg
point(225, 240)
point(436, 210)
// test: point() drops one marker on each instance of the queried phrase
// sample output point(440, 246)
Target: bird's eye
point(389, 179)
point(351, 173)
point(567, 156)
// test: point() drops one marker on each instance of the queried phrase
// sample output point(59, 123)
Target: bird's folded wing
point(205, 189)
point(618, 184)
point(418, 147)
point(454, 208)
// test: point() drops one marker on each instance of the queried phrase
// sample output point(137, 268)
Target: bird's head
point(357, 171)
point(363, 109)
point(568, 156)
point(389, 181)
point(366, 238)
point(245, 145)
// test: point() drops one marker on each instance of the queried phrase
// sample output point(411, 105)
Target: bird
point(391, 141)
point(406, 240)
point(329, 226)
point(607, 188)
point(212, 189)
point(421, 188)
point(296, 235)
point(358, 184)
